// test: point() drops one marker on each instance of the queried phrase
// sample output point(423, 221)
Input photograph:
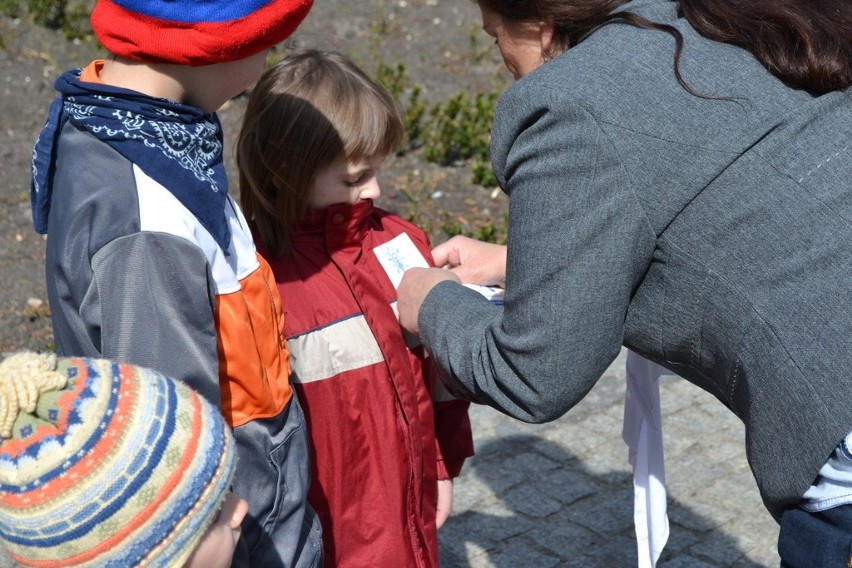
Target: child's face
point(216, 548)
point(345, 181)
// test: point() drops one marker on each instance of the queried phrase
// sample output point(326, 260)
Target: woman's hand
point(415, 285)
point(474, 262)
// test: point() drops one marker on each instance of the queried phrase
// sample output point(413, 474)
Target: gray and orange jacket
point(133, 276)
point(126, 262)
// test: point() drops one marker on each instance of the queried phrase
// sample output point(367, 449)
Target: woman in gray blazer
point(679, 183)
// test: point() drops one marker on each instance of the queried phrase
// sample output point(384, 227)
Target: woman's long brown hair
point(805, 43)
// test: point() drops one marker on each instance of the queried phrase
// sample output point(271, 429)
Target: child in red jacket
point(387, 438)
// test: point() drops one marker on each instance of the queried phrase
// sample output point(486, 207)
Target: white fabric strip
point(643, 434)
point(160, 211)
point(342, 346)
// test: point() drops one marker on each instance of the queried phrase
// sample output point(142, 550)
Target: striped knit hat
point(106, 464)
point(194, 32)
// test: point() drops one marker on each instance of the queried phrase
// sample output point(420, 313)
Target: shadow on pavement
point(524, 501)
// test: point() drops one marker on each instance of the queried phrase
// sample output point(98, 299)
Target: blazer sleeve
point(579, 243)
point(453, 433)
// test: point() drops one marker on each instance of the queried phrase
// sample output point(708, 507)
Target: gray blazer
point(713, 236)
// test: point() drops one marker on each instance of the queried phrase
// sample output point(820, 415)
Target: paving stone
point(689, 518)
point(565, 538)
point(457, 539)
point(496, 473)
point(498, 524)
point(720, 552)
point(606, 513)
point(685, 562)
point(517, 555)
point(617, 551)
point(469, 492)
point(527, 499)
point(567, 485)
point(680, 540)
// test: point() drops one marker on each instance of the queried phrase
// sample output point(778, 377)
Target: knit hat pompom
point(103, 463)
point(194, 32)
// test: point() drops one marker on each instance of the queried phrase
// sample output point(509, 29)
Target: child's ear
point(546, 28)
point(237, 511)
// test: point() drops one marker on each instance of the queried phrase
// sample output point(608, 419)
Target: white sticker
point(398, 255)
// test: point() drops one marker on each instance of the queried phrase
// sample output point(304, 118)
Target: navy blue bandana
point(177, 145)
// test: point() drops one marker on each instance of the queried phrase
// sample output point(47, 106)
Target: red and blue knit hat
point(106, 464)
point(194, 32)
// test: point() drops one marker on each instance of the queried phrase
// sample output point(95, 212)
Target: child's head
point(189, 32)
point(102, 462)
point(313, 114)
point(199, 53)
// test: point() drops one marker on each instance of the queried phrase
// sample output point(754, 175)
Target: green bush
point(449, 132)
point(460, 128)
point(392, 78)
point(47, 13)
point(11, 8)
point(415, 111)
point(69, 16)
point(75, 24)
point(489, 232)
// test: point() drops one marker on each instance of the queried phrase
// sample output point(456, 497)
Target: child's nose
point(371, 190)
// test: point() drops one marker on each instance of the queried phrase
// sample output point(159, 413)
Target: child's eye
point(363, 177)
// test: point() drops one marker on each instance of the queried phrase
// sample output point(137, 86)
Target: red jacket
point(380, 441)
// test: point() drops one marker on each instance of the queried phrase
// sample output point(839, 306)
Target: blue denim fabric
point(816, 540)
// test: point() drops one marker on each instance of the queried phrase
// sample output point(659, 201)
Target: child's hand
point(445, 501)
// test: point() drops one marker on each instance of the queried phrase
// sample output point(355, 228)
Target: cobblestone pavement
point(560, 494)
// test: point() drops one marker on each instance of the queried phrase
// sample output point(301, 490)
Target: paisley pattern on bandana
point(177, 145)
point(192, 146)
